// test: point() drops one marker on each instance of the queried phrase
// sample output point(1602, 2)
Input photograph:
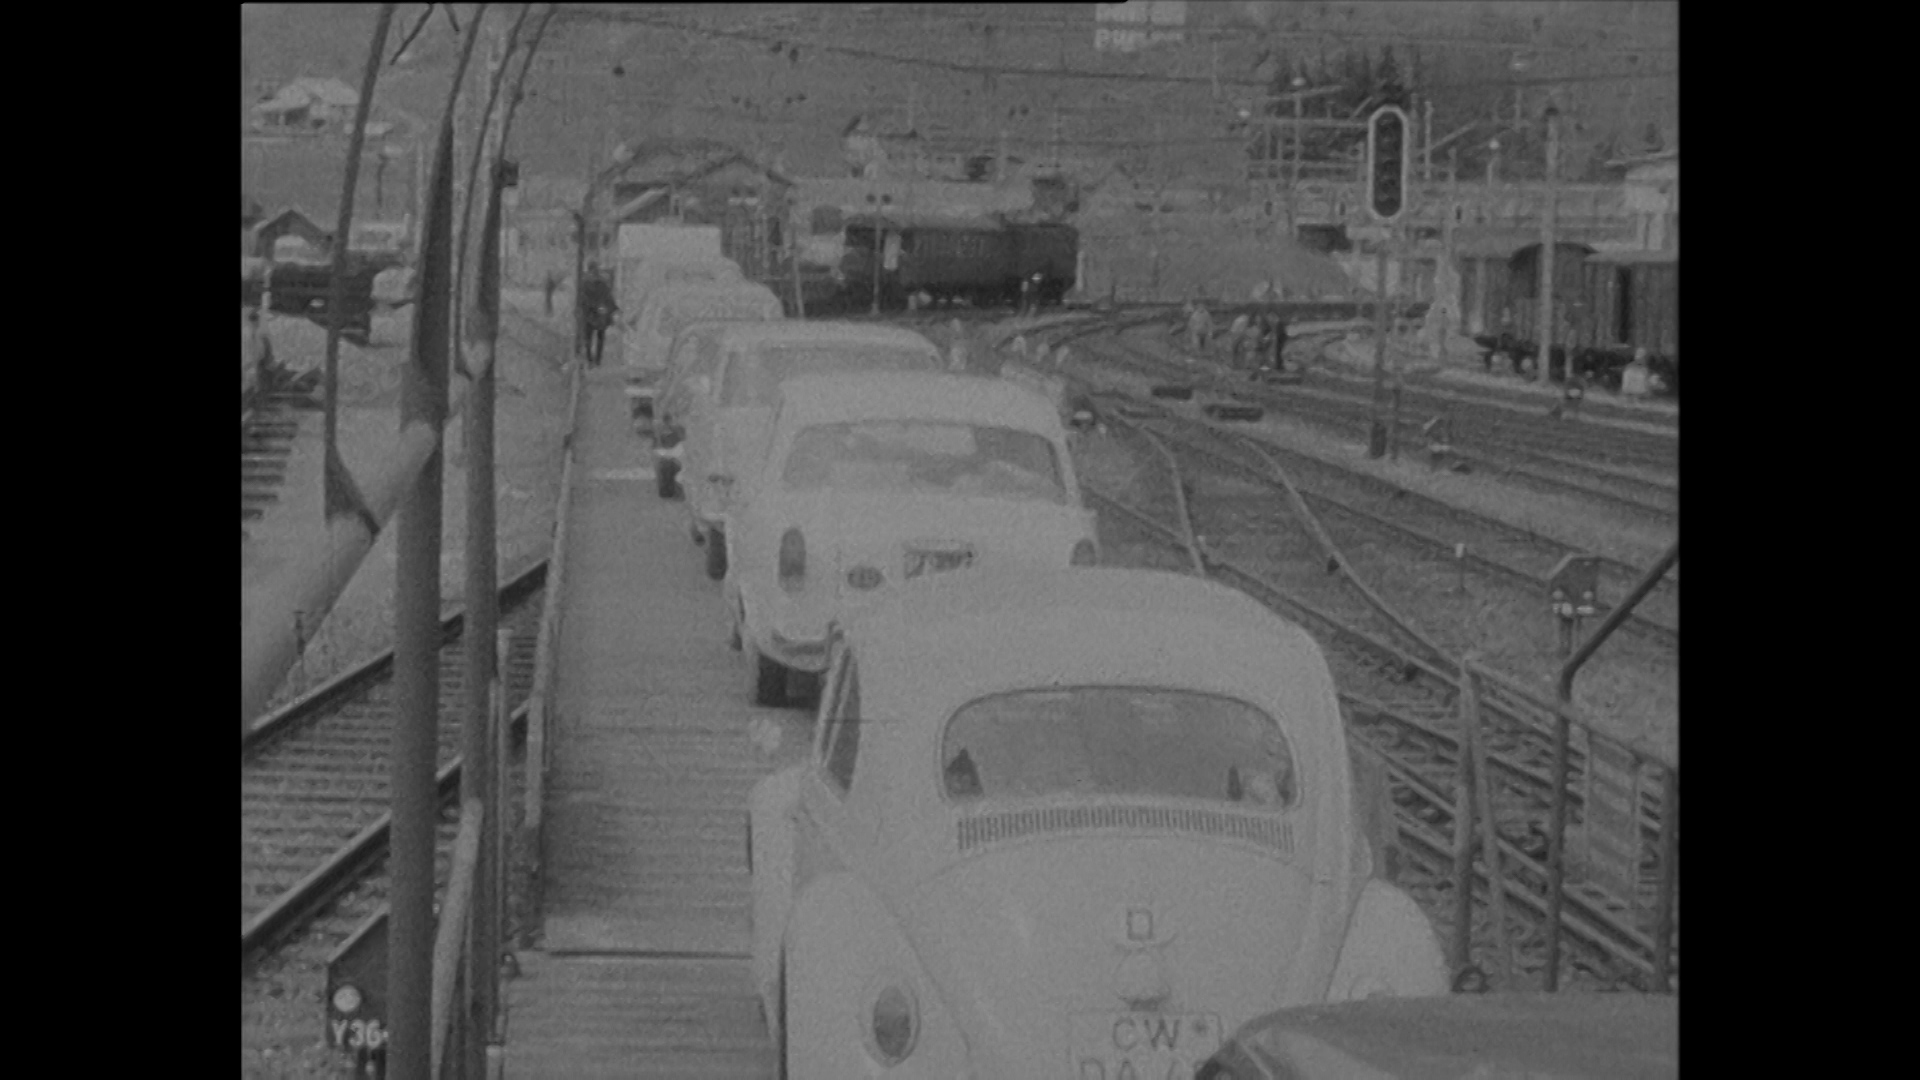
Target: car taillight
point(865, 577)
point(1085, 554)
point(793, 559)
point(896, 1026)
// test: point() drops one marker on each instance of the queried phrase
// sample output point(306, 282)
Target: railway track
point(1493, 546)
point(1400, 697)
point(1402, 710)
point(267, 432)
point(314, 782)
point(1594, 433)
point(1551, 471)
point(1435, 538)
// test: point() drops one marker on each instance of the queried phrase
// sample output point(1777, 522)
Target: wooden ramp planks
point(642, 967)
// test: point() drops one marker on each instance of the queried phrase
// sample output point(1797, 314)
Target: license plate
point(1146, 1046)
point(934, 562)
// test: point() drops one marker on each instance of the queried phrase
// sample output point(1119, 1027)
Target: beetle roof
point(809, 332)
point(966, 634)
point(916, 395)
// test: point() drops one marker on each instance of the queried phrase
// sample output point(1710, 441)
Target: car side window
point(844, 746)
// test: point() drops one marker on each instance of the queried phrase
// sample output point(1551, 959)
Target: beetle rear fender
point(1390, 948)
point(842, 949)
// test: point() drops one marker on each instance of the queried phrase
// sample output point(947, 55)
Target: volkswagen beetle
point(729, 413)
point(1566, 1036)
point(1077, 823)
point(649, 333)
point(873, 480)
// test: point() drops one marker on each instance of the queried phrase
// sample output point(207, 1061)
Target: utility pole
point(1293, 162)
point(1426, 146)
point(1548, 223)
point(1377, 439)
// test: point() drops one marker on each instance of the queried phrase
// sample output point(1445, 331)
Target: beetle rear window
point(907, 456)
point(754, 379)
point(1106, 740)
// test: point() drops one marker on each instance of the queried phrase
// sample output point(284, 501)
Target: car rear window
point(754, 379)
point(925, 456)
point(1108, 740)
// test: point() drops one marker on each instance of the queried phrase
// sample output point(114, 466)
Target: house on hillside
point(307, 104)
point(290, 223)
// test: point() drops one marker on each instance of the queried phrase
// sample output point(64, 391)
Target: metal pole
point(1426, 147)
point(1393, 423)
point(1377, 436)
point(423, 400)
point(1463, 839)
point(1293, 164)
point(1544, 334)
point(483, 616)
point(1489, 833)
point(1669, 884)
point(339, 495)
point(793, 257)
point(1556, 851)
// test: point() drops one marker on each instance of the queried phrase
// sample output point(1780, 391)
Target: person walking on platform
point(552, 284)
point(597, 295)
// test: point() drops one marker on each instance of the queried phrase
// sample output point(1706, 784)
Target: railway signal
point(1573, 593)
point(1387, 164)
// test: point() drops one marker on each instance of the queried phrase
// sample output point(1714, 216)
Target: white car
point(1073, 823)
point(873, 480)
point(729, 414)
point(693, 356)
point(649, 333)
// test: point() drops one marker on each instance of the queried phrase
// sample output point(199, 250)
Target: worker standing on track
point(1199, 329)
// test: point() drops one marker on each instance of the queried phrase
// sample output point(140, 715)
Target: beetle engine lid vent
point(980, 830)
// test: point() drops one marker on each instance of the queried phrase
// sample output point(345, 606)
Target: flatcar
point(982, 260)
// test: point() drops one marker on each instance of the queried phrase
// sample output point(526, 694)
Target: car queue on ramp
point(662, 911)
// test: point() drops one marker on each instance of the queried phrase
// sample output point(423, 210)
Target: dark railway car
point(306, 289)
point(1607, 304)
point(980, 260)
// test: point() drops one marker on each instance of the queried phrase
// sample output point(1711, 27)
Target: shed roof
point(325, 90)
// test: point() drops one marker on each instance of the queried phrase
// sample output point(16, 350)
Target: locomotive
point(985, 261)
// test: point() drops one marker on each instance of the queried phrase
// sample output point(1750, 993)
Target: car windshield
point(753, 380)
point(1109, 740)
point(924, 456)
